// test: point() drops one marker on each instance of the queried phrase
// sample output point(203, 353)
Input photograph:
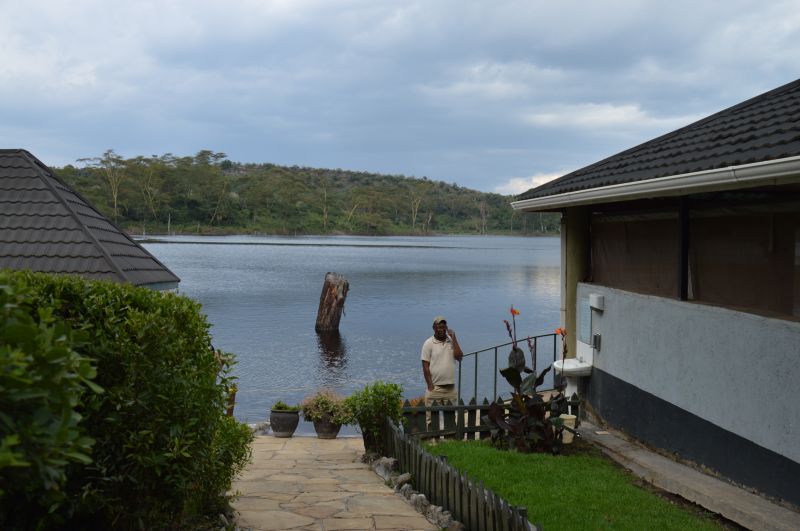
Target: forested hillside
point(207, 193)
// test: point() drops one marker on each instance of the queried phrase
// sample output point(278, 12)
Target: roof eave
point(161, 286)
point(772, 172)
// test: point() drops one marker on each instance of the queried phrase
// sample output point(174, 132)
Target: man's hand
point(457, 352)
point(430, 387)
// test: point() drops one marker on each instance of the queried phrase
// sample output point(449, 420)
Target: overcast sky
point(495, 95)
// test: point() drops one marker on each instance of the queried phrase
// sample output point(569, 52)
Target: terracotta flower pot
point(326, 429)
point(283, 423)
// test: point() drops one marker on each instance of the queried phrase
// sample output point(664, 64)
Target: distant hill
point(207, 193)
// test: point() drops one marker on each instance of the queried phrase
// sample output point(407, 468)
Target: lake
point(261, 296)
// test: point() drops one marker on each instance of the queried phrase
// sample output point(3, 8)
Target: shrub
point(41, 381)
point(231, 452)
point(163, 446)
point(280, 405)
point(326, 404)
point(370, 405)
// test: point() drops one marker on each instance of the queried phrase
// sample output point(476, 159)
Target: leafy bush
point(231, 452)
point(370, 405)
point(163, 446)
point(41, 381)
point(326, 404)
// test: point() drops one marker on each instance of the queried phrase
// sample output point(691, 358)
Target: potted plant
point(283, 419)
point(327, 410)
point(369, 407)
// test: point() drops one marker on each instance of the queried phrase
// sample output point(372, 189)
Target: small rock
point(402, 480)
point(384, 467)
point(259, 428)
point(433, 513)
point(420, 503)
point(407, 491)
point(369, 457)
point(445, 520)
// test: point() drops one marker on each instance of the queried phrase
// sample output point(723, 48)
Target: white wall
point(737, 370)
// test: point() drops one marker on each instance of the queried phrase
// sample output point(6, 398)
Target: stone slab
point(331, 524)
point(273, 520)
point(386, 522)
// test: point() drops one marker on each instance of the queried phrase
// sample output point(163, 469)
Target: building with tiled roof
point(46, 226)
point(745, 145)
point(681, 289)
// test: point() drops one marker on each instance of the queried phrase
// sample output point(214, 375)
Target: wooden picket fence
point(470, 502)
point(452, 421)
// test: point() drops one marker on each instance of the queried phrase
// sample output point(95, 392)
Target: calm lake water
point(261, 296)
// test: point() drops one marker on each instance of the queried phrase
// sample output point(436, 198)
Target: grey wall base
point(664, 425)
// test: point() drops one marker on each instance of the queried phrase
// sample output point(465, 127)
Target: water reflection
point(333, 355)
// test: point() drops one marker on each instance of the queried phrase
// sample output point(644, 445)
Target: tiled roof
point(760, 129)
point(45, 226)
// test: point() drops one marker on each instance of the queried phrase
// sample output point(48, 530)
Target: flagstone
point(318, 510)
point(386, 522)
point(257, 503)
point(347, 523)
point(273, 520)
point(313, 497)
point(361, 476)
point(268, 486)
point(370, 488)
point(370, 504)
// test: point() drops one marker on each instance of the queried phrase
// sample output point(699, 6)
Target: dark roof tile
point(46, 226)
point(763, 128)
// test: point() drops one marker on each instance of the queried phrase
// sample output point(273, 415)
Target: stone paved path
point(310, 483)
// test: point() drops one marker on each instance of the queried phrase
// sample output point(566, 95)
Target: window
point(744, 249)
point(636, 252)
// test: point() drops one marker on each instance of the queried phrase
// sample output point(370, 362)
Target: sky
point(497, 96)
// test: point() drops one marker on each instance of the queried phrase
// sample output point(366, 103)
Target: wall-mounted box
point(596, 302)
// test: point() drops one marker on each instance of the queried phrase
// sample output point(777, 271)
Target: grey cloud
point(461, 91)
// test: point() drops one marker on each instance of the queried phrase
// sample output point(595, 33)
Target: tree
point(113, 168)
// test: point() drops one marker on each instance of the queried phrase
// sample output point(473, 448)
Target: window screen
point(745, 257)
point(745, 261)
point(636, 253)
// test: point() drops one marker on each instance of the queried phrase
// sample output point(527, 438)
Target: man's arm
point(426, 370)
point(457, 352)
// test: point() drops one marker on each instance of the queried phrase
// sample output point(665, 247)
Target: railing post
point(555, 337)
point(494, 380)
point(475, 380)
point(459, 379)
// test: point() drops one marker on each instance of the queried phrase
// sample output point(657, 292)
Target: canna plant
point(528, 422)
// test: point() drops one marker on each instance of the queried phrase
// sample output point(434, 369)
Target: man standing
point(439, 355)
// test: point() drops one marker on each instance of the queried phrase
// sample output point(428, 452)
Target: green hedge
point(163, 452)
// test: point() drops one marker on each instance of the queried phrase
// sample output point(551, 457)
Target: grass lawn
point(581, 489)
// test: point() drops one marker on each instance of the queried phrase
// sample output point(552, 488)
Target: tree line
point(208, 193)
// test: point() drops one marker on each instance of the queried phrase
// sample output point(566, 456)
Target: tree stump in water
point(331, 302)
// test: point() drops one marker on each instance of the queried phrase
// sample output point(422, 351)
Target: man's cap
point(438, 319)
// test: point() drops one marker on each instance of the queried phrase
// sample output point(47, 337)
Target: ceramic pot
point(283, 423)
point(326, 429)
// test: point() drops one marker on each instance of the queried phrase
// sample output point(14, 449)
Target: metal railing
point(537, 340)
